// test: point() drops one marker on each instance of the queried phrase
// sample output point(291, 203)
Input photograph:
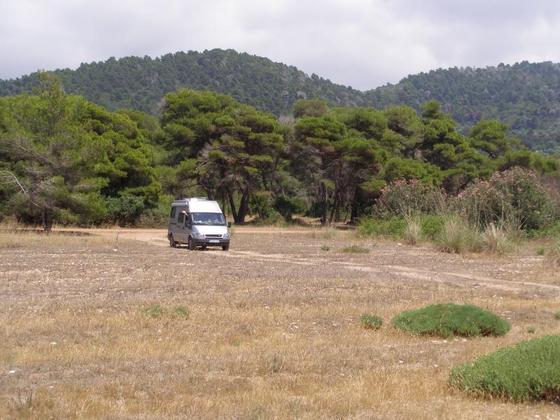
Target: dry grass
point(497, 239)
point(413, 231)
point(271, 328)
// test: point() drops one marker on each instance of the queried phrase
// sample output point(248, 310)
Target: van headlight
point(226, 235)
point(198, 235)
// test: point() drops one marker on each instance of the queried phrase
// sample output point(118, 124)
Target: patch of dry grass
point(271, 329)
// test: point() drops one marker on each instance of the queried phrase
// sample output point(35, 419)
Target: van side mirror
point(228, 224)
point(188, 222)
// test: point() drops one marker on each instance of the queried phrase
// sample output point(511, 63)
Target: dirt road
point(514, 273)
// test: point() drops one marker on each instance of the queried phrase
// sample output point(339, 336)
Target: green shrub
point(288, 206)
point(513, 197)
point(392, 227)
point(371, 322)
point(261, 204)
point(528, 371)
point(431, 225)
point(449, 319)
point(457, 236)
point(355, 249)
point(551, 231)
point(125, 209)
point(408, 197)
point(273, 218)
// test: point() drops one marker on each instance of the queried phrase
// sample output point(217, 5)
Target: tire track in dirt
point(158, 238)
point(402, 271)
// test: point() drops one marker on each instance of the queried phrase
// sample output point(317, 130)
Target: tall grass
point(413, 230)
point(457, 236)
point(497, 239)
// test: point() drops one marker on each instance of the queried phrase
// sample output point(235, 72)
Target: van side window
point(173, 212)
point(181, 218)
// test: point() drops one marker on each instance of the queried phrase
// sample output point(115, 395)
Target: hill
point(525, 95)
point(140, 83)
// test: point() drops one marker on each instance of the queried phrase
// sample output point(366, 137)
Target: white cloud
point(362, 43)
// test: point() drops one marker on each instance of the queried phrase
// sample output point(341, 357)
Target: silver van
point(197, 222)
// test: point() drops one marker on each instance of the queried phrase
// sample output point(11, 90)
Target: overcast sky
point(359, 43)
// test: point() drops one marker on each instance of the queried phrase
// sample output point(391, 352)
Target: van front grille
point(213, 236)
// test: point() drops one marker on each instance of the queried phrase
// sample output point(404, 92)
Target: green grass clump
point(371, 322)
point(528, 371)
point(158, 311)
point(153, 311)
point(449, 319)
point(181, 311)
point(355, 249)
point(557, 315)
point(393, 227)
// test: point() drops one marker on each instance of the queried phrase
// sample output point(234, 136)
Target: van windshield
point(209, 219)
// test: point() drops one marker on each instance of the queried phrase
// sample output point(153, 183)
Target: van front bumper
point(210, 242)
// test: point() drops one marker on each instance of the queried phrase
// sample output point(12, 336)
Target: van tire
point(172, 242)
point(190, 244)
point(225, 247)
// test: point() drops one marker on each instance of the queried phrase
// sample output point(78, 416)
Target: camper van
point(197, 222)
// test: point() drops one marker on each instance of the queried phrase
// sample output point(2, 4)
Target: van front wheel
point(225, 247)
point(190, 244)
point(172, 242)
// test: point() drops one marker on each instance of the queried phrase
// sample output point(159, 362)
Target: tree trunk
point(243, 208)
point(47, 221)
point(354, 206)
point(232, 206)
point(334, 211)
point(223, 200)
point(324, 210)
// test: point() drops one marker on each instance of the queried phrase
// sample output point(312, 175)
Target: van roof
point(199, 204)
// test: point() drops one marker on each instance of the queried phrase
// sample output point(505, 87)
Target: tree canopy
point(64, 159)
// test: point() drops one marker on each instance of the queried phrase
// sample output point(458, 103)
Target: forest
point(524, 96)
point(66, 160)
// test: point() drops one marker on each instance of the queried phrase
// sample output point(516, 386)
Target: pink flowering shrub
point(409, 197)
point(515, 198)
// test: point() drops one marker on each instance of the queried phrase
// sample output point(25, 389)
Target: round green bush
point(528, 371)
point(431, 225)
point(372, 322)
point(449, 319)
